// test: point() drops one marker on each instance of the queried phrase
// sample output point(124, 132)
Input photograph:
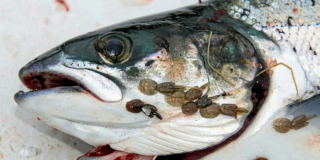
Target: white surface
point(31, 27)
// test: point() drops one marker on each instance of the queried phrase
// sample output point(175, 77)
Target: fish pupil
point(114, 48)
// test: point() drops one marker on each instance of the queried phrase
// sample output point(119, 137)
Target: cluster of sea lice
point(190, 99)
point(209, 109)
point(137, 106)
point(175, 95)
point(283, 125)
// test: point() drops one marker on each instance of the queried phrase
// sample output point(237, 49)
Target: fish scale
point(290, 21)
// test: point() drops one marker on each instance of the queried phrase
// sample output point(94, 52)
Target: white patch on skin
point(159, 55)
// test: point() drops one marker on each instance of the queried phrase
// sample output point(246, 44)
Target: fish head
point(82, 86)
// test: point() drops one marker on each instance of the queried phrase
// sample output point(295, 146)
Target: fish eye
point(114, 48)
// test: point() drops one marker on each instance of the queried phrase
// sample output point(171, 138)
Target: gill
point(278, 124)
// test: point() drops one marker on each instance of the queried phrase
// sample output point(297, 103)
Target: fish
point(83, 86)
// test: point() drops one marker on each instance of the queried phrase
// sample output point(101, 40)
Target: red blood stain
point(38, 119)
point(107, 150)
point(63, 3)
point(99, 151)
point(258, 65)
point(270, 62)
point(295, 10)
point(204, 19)
point(287, 4)
point(158, 57)
point(219, 14)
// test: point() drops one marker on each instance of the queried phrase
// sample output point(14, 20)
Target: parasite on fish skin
point(193, 94)
point(189, 108)
point(301, 121)
point(150, 111)
point(166, 87)
point(231, 110)
point(174, 94)
point(176, 99)
point(203, 101)
point(212, 111)
point(209, 109)
point(148, 86)
point(136, 106)
point(282, 125)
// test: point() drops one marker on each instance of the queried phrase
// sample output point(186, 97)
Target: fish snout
point(49, 71)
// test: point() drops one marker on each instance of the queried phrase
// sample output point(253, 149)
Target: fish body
point(83, 85)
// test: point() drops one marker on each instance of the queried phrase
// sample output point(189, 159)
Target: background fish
point(268, 49)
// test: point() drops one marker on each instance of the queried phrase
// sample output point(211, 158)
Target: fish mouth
point(44, 75)
point(45, 80)
point(42, 80)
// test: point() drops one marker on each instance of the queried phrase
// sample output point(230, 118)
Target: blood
point(295, 10)
point(258, 65)
point(99, 151)
point(158, 57)
point(287, 4)
point(219, 14)
point(64, 4)
point(204, 19)
point(107, 150)
point(38, 119)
